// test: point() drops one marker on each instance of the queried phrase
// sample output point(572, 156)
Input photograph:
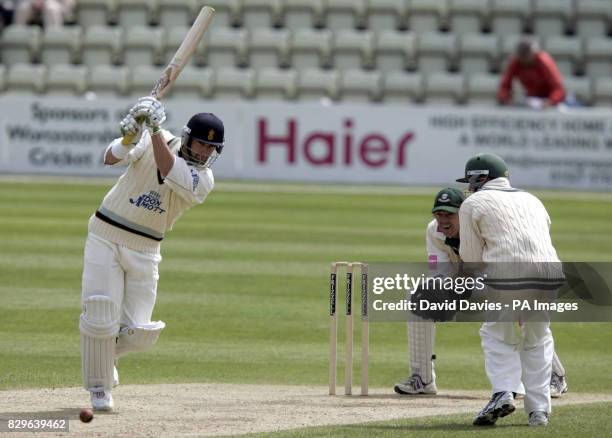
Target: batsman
point(165, 175)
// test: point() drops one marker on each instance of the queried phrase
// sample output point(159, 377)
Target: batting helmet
point(206, 128)
point(483, 167)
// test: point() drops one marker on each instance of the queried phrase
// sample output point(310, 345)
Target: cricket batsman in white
point(442, 244)
point(500, 224)
point(165, 176)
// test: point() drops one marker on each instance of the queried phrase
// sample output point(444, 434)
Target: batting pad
point(99, 326)
point(421, 336)
point(138, 338)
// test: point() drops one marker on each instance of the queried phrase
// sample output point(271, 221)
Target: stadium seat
point(230, 82)
point(402, 87)
point(173, 37)
point(552, 17)
point(299, 14)
point(60, 45)
point(108, 80)
point(468, 16)
point(602, 91)
point(142, 46)
point(384, 15)
point(314, 83)
point(274, 83)
point(20, 44)
point(95, 12)
point(171, 13)
point(394, 51)
point(360, 86)
point(268, 48)
point(442, 87)
point(101, 45)
point(593, 18)
point(481, 89)
point(580, 87)
point(131, 13)
point(310, 48)
point(435, 51)
point(567, 53)
point(510, 17)
point(344, 14)
point(258, 14)
point(598, 57)
point(142, 78)
point(352, 49)
point(227, 12)
point(67, 79)
point(26, 79)
point(478, 53)
point(195, 83)
point(428, 15)
point(225, 47)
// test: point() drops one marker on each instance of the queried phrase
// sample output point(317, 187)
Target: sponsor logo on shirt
point(149, 201)
point(195, 179)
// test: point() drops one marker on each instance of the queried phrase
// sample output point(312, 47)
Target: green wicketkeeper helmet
point(483, 167)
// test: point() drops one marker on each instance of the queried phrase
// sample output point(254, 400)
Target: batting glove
point(131, 129)
point(149, 107)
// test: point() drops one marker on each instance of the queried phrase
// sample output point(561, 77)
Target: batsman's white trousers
point(127, 277)
point(514, 353)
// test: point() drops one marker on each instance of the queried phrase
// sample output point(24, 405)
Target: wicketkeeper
point(165, 176)
point(442, 243)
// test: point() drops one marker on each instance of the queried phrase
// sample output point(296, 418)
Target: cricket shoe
point(538, 418)
point(101, 400)
point(414, 385)
point(501, 404)
point(558, 385)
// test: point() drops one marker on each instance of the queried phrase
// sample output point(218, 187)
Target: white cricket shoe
point(500, 405)
point(558, 385)
point(415, 385)
point(101, 400)
point(538, 418)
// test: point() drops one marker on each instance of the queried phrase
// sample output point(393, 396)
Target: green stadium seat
point(108, 80)
point(481, 89)
point(171, 13)
point(468, 16)
point(402, 87)
point(276, 84)
point(227, 12)
point(352, 49)
point(311, 48)
point(261, 14)
point(61, 45)
point(95, 12)
point(593, 18)
point(299, 14)
point(567, 53)
point(510, 17)
point(436, 51)
point(268, 48)
point(360, 86)
point(552, 17)
point(20, 44)
point(428, 15)
point(195, 83)
point(394, 50)
point(225, 47)
point(314, 83)
point(447, 88)
point(344, 14)
point(478, 53)
point(598, 57)
point(132, 13)
point(142, 45)
point(26, 79)
point(382, 15)
point(67, 79)
point(101, 45)
point(230, 82)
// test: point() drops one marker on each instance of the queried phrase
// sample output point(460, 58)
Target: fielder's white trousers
point(514, 353)
point(127, 277)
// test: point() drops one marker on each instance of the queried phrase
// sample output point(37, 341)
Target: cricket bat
point(182, 56)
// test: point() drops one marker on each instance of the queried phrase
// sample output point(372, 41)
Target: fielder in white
point(499, 223)
point(442, 244)
point(165, 176)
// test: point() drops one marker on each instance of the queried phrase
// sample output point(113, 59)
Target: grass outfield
point(244, 286)
point(590, 420)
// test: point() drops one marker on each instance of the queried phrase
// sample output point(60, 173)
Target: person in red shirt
point(537, 72)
